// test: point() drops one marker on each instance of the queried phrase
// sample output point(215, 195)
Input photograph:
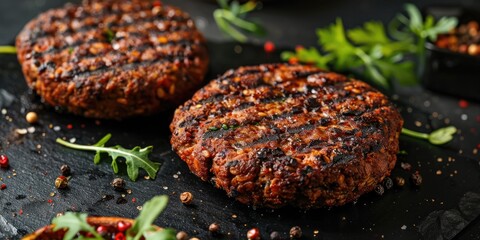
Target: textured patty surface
point(277, 135)
point(113, 59)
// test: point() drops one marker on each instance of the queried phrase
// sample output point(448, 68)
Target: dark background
point(27, 203)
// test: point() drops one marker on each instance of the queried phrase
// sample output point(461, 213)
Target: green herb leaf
point(149, 213)
point(437, 137)
point(8, 50)
point(442, 135)
point(74, 223)
point(165, 234)
point(372, 33)
point(231, 19)
point(135, 158)
point(368, 50)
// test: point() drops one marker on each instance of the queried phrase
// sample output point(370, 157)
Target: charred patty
point(113, 59)
point(277, 135)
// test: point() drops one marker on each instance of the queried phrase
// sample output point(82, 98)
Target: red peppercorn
point(102, 230)
point(123, 226)
point(3, 161)
point(3, 186)
point(253, 234)
point(463, 103)
point(119, 236)
point(269, 47)
point(157, 4)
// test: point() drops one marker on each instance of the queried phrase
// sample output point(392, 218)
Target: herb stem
point(8, 50)
point(412, 133)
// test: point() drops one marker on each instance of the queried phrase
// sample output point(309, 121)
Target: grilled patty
point(113, 59)
point(277, 135)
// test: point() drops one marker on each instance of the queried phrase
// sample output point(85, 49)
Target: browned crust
point(277, 135)
point(156, 59)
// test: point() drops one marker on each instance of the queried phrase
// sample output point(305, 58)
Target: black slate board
point(28, 204)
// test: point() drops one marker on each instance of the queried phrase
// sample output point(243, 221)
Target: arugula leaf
point(149, 213)
point(8, 50)
point(135, 158)
point(74, 223)
point(231, 19)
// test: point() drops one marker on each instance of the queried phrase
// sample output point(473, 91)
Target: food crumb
point(404, 227)
point(464, 117)
point(439, 159)
point(439, 172)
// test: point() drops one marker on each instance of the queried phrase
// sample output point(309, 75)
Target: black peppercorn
point(118, 184)
point(388, 183)
point(400, 181)
point(275, 235)
point(295, 232)
point(65, 169)
point(379, 189)
point(416, 178)
point(406, 166)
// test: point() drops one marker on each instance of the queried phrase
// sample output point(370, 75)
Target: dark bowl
point(453, 73)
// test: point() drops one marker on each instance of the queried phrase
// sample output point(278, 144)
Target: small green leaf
point(437, 137)
point(74, 223)
point(415, 17)
point(372, 33)
point(150, 211)
point(231, 19)
point(135, 158)
point(442, 135)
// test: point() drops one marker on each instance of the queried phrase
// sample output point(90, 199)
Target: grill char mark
point(275, 120)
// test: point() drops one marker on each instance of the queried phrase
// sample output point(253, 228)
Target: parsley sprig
point(75, 223)
point(369, 51)
point(8, 50)
point(231, 19)
point(135, 158)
